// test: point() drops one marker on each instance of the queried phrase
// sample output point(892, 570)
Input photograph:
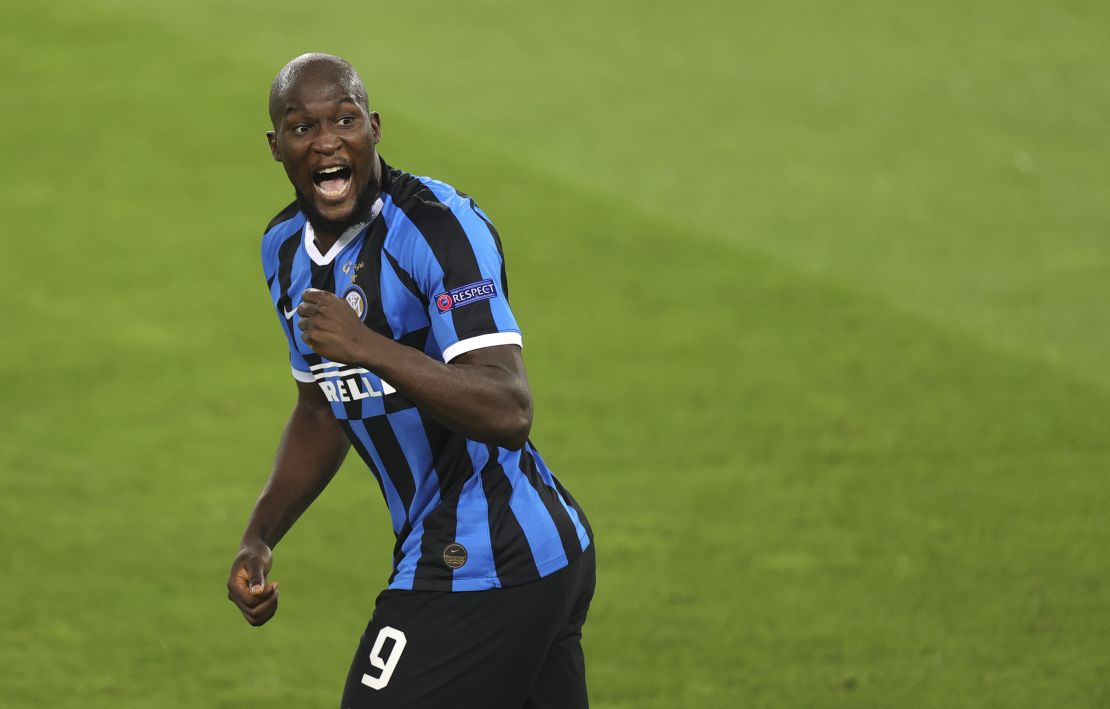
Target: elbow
point(516, 439)
point(516, 426)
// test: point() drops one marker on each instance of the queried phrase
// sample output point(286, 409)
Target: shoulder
point(426, 198)
point(435, 212)
point(289, 213)
point(283, 227)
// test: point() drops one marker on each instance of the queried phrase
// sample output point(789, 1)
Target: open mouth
point(332, 182)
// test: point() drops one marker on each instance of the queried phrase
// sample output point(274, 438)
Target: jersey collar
point(341, 243)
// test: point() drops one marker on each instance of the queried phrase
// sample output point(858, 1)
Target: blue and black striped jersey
point(427, 271)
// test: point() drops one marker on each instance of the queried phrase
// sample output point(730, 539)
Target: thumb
point(256, 575)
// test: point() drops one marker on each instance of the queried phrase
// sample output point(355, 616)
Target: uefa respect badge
point(465, 295)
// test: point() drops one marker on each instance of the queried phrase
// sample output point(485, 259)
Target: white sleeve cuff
point(476, 343)
point(305, 377)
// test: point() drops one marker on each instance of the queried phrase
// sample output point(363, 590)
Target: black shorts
point(508, 648)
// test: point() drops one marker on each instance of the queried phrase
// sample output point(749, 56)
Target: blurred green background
point(816, 301)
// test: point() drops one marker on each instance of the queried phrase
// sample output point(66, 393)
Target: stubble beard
point(364, 206)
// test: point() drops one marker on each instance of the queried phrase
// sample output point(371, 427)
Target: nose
point(327, 141)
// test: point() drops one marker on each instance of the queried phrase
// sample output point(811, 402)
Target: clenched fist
point(331, 328)
point(247, 587)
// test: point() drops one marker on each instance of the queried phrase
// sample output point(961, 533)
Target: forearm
point(482, 394)
point(311, 449)
point(487, 401)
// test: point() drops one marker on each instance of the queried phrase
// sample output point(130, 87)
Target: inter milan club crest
point(356, 299)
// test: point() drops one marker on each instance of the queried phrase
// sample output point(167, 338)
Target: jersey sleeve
point(276, 244)
point(460, 269)
point(300, 368)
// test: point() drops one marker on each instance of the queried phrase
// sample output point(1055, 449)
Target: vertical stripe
point(392, 498)
point(404, 310)
point(291, 272)
point(512, 556)
point(431, 573)
point(417, 456)
point(417, 339)
point(451, 247)
point(406, 279)
point(496, 240)
point(398, 546)
point(454, 467)
point(292, 261)
point(427, 493)
point(581, 525)
point(393, 459)
point(412, 553)
point(549, 496)
point(360, 448)
point(286, 255)
point(438, 437)
point(371, 275)
point(539, 528)
point(580, 515)
point(322, 277)
point(473, 534)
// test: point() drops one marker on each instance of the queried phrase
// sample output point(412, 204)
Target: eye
point(346, 121)
point(301, 129)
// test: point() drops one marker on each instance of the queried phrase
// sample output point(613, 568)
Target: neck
point(324, 239)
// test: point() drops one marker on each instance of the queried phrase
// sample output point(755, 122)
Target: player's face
point(326, 142)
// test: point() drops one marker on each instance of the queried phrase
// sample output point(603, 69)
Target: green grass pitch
point(815, 300)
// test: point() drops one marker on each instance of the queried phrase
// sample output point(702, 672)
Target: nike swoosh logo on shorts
point(288, 313)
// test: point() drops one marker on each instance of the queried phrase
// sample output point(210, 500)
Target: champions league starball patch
point(465, 295)
point(356, 299)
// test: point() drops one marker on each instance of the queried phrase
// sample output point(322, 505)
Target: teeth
point(329, 170)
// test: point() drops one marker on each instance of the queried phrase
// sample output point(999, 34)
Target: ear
point(271, 137)
point(375, 128)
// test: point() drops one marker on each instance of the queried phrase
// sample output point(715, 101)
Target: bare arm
point(310, 452)
point(482, 394)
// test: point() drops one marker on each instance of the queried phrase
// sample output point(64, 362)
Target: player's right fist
point(246, 583)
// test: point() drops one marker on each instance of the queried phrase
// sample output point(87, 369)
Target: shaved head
point(324, 68)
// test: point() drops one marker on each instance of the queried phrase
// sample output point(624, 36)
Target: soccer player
point(392, 295)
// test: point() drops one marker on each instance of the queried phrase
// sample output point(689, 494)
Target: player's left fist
point(331, 327)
